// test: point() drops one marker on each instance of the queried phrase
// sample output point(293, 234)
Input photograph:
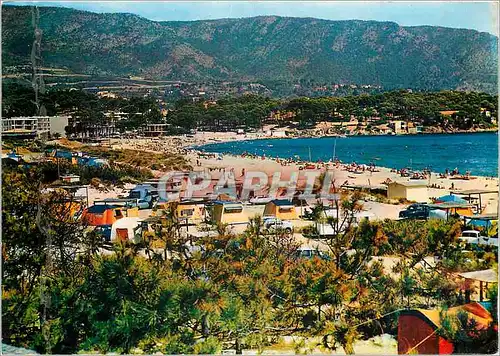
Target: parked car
point(146, 196)
point(260, 200)
point(272, 225)
point(474, 237)
point(309, 252)
point(415, 211)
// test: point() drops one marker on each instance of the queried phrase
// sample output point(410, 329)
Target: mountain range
point(255, 49)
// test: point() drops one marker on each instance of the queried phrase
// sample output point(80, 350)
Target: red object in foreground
point(413, 329)
point(417, 329)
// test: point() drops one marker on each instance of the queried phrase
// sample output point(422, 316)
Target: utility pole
point(37, 81)
point(39, 88)
point(58, 166)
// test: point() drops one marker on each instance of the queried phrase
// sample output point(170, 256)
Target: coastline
point(282, 151)
point(200, 161)
point(437, 132)
point(232, 138)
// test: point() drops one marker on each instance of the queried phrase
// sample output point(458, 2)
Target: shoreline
point(200, 161)
point(200, 147)
point(459, 132)
point(195, 143)
point(232, 139)
point(437, 186)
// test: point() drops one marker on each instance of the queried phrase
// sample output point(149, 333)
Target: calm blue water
point(477, 152)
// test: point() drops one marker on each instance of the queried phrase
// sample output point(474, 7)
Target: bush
point(95, 183)
point(209, 346)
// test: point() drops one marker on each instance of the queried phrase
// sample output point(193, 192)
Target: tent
point(15, 156)
point(97, 162)
point(417, 328)
point(63, 154)
point(453, 204)
point(97, 215)
point(450, 199)
point(124, 229)
point(485, 221)
point(106, 214)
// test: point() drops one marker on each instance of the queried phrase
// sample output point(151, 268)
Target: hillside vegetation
point(255, 49)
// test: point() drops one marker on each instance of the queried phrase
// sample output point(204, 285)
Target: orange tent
point(417, 328)
point(98, 215)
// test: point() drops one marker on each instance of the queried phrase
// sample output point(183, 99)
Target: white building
point(20, 124)
point(35, 125)
point(409, 190)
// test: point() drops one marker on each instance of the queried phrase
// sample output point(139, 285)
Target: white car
point(474, 237)
point(274, 224)
point(309, 252)
point(260, 200)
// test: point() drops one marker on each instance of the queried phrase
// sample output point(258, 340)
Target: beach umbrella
point(450, 199)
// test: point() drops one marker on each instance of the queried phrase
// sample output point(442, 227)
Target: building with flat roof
point(20, 123)
point(398, 126)
point(34, 126)
point(409, 190)
point(155, 130)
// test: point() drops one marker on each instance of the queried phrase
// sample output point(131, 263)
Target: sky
point(481, 16)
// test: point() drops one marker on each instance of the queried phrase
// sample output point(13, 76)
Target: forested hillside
point(253, 49)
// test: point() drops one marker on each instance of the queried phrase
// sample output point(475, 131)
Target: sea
point(474, 152)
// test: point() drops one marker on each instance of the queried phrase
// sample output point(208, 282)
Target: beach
point(437, 184)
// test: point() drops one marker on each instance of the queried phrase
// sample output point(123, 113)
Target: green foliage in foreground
point(60, 295)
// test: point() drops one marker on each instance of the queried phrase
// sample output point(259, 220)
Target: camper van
point(145, 194)
point(126, 229)
point(231, 213)
point(281, 209)
point(474, 237)
point(191, 211)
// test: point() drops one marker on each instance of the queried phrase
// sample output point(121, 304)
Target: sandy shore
point(183, 145)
